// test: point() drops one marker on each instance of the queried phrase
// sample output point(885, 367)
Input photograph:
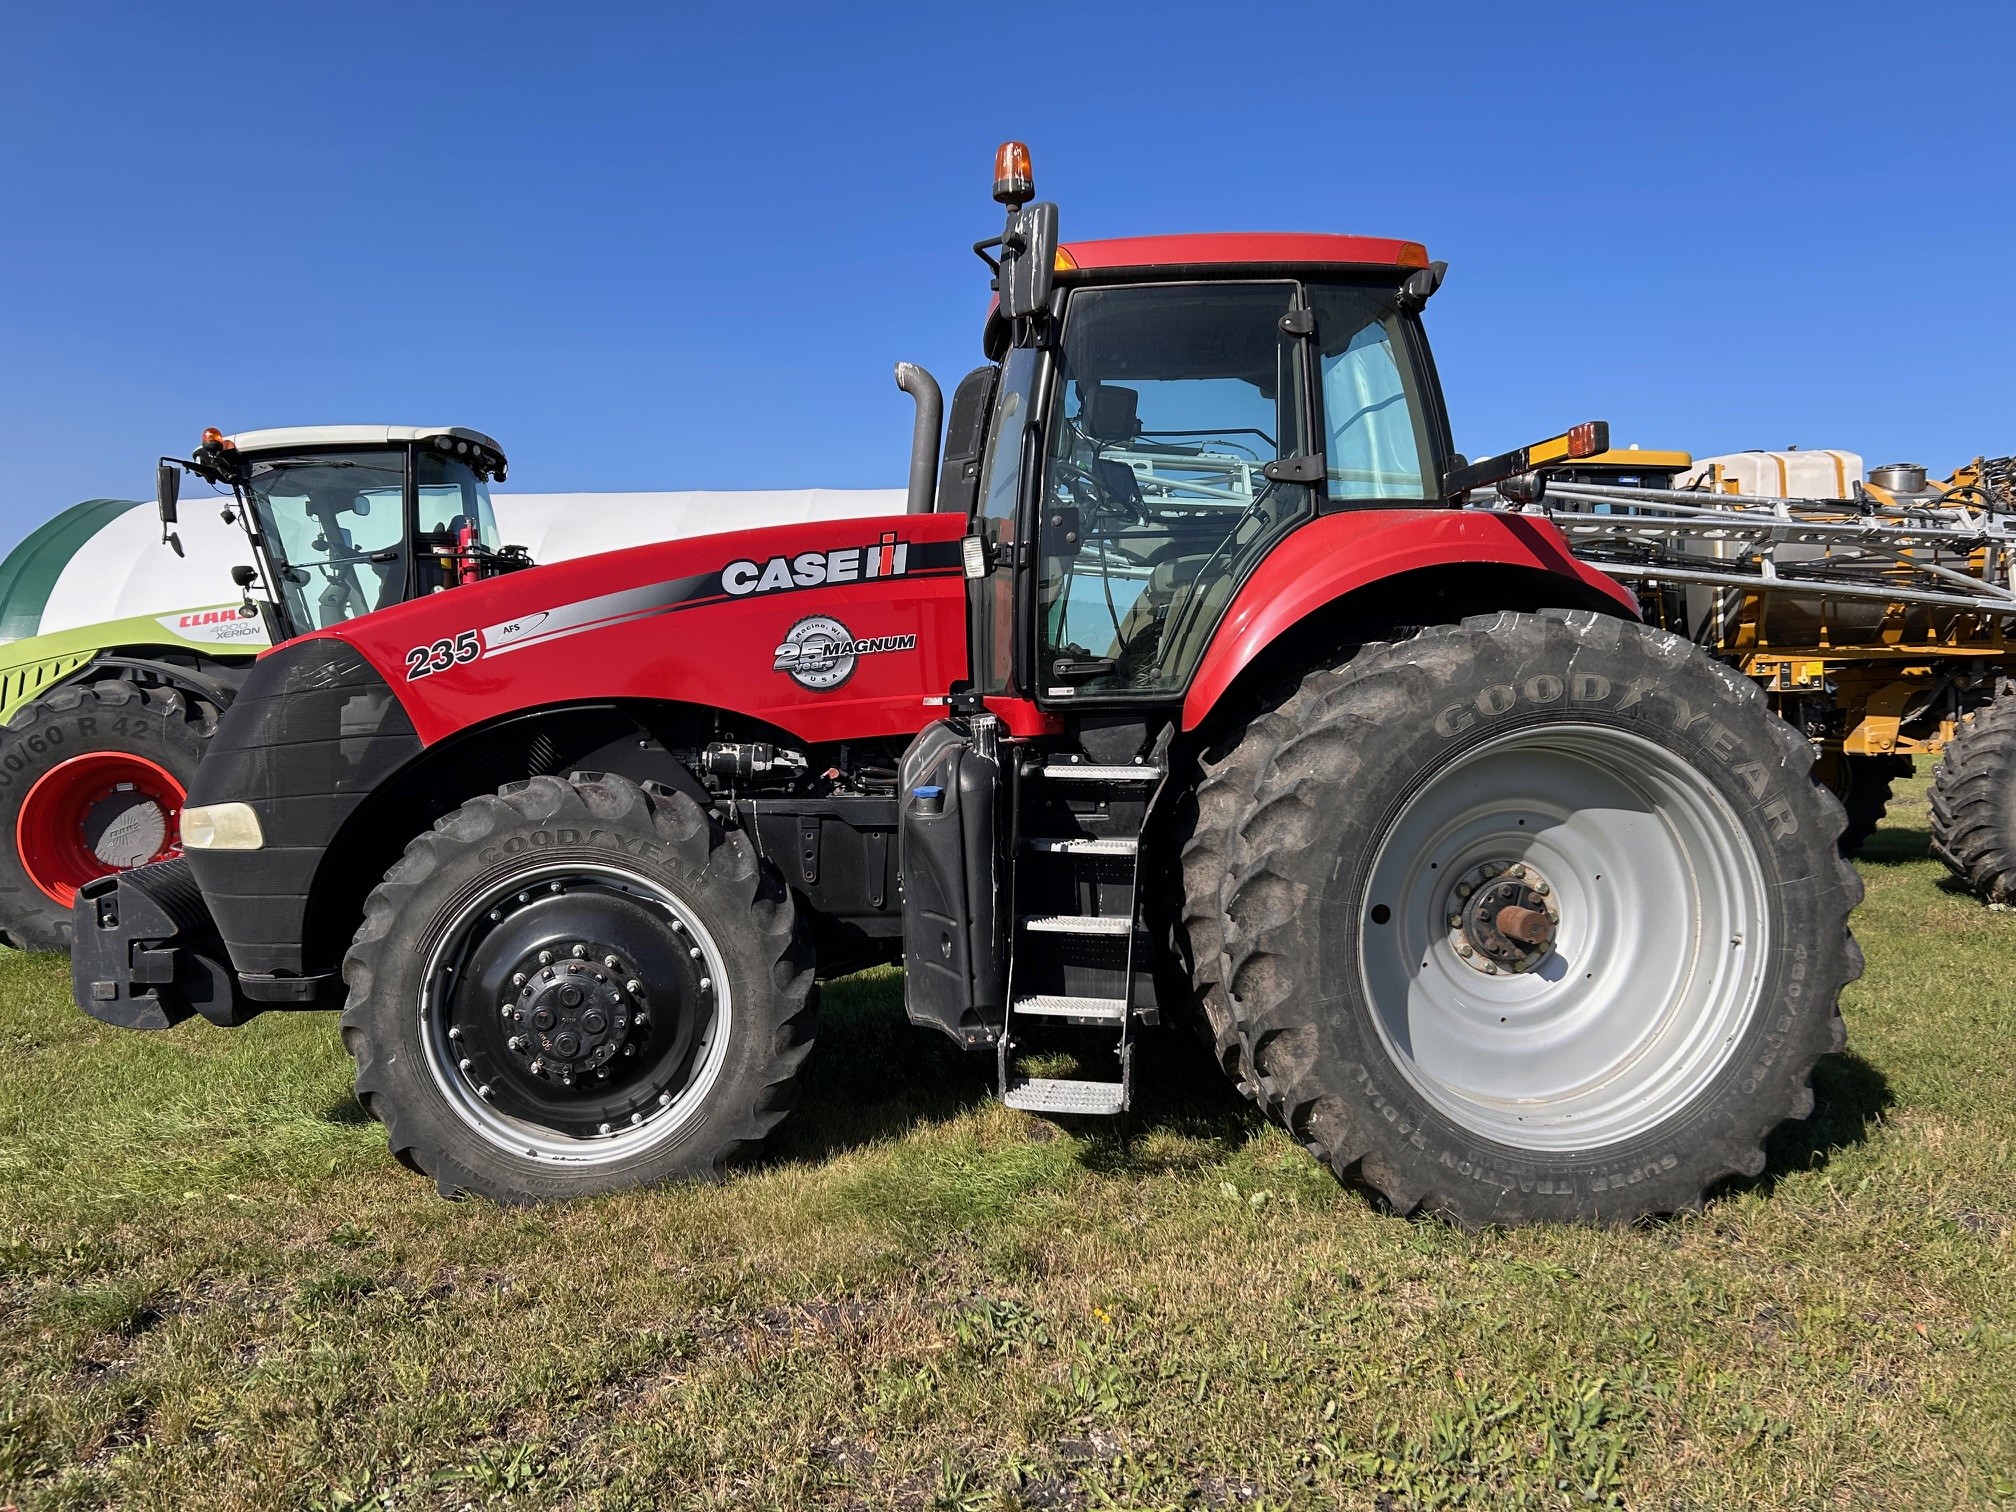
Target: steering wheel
point(1093, 499)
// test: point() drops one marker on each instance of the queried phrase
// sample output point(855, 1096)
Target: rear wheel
point(92, 779)
point(576, 986)
point(1536, 918)
point(1974, 803)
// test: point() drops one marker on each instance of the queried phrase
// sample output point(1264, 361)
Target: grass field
point(218, 1291)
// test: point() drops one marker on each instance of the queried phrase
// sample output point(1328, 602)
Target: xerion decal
point(238, 625)
point(820, 653)
point(890, 556)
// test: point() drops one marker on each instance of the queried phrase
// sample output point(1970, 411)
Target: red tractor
point(1181, 689)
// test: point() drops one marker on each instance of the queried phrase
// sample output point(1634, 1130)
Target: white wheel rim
point(533, 1141)
point(1658, 960)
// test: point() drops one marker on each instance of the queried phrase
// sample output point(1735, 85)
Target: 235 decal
point(425, 661)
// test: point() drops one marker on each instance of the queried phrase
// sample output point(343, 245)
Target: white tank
point(1778, 474)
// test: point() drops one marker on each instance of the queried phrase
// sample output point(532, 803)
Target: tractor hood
point(831, 630)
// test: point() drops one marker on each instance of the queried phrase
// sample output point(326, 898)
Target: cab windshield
point(335, 523)
point(1158, 500)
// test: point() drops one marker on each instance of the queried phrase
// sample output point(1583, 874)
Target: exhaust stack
point(922, 387)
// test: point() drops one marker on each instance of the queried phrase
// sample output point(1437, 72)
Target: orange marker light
point(1014, 179)
point(1588, 438)
point(211, 435)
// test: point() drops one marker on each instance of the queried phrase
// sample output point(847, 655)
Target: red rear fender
point(1341, 554)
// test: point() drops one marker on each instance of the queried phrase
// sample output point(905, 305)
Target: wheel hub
point(579, 1008)
point(1503, 917)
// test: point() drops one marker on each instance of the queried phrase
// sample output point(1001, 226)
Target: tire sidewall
point(1655, 687)
point(45, 734)
point(462, 1157)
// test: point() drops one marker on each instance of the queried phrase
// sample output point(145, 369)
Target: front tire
point(577, 986)
point(92, 780)
point(1974, 803)
point(1535, 918)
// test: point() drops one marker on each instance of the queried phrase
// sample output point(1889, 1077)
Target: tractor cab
point(346, 519)
point(1170, 425)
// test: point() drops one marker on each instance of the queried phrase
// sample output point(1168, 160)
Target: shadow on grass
point(874, 1075)
point(1895, 845)
point(347, 1111)
point(1849, 1097)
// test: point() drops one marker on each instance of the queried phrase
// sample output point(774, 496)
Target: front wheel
point(576, 986)
point(1535, 918)
point(92, 779)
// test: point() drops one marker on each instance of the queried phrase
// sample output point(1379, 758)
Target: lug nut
point(694, 952)
point(579, 952)
point(517, 979)
point(1464, 889)
point(633, 985)
point(664, 1099)
point(516, 1042)
point(1542, 888)
point(455, 1033)
point(552, 887)
point(601, 1128)
point(612, 963)
point(464, 1063)
point(1455, 921)
point(1517, 871)
point(496, 914)
point(545, 958)
point(1463, 949)
point(636, 1119)
point(706, 984)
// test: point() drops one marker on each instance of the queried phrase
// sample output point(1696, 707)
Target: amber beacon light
point(1014, 180)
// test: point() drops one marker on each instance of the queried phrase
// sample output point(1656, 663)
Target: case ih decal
point(888, 557)
point(820, 653)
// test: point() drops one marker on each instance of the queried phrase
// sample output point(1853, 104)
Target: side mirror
point(167, 489)
point(1028, 260)
point(244, 577)
point(1421, 285)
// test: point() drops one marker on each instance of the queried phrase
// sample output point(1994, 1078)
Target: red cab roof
point(1212, 248)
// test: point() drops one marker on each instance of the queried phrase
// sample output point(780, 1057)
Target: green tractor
point(106, 715)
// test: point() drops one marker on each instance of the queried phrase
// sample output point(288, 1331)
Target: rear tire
point(79, 770)
point(1974, 803)
point(1637, 1057)
point(577, 986)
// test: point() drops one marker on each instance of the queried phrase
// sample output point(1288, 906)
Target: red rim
point(53, 834)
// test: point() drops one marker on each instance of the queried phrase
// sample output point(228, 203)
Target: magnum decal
point(820, 652)
point(888, 557)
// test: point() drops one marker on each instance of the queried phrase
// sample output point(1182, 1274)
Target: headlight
point(222, 827)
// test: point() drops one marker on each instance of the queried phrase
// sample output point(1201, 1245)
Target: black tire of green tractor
point(545, 822)
point(1864, 785)
point(1974, 803)
point(1296, 828)
point(165, 725)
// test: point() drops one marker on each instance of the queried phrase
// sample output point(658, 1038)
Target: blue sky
point(668, 246)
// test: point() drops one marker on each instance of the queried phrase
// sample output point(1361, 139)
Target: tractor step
point(1085, 771)
point(1055, 1005)
point(1078, 924)
point(1051, 1094)
point(1085, 846)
